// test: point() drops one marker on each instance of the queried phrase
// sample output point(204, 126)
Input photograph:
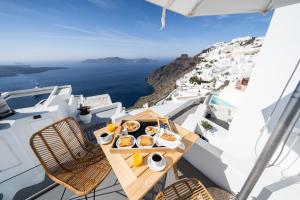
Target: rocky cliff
point(163, 80)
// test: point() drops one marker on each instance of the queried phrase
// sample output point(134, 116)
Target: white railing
point(31, 92)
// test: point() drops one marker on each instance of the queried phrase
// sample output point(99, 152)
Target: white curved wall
point(230, 167)
point(275, 63)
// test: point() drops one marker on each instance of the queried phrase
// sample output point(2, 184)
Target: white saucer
point(154, 168)
point(105, 142)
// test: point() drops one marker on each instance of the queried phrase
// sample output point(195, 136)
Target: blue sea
point(123, 82)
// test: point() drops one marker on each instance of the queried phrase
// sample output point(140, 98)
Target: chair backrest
point(57, 145)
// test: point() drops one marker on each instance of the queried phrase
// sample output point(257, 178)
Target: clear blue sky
point(35, 30)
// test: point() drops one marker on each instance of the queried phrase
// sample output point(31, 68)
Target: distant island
point(117, 60)
point(14, 70)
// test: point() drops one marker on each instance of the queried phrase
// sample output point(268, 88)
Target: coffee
point(156, 158)
point(104, 135)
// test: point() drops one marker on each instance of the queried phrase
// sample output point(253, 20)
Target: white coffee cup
point(104, 137)
point(157, 159)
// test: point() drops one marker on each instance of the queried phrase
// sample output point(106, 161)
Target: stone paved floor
point(110, 189)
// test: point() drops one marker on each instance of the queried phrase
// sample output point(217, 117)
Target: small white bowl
point(148, 133)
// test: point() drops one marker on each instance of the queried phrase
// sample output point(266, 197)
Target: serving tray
point(136, 134)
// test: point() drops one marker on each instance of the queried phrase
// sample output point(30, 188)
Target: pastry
point(146, 141)
point(168, 137)
point(126, 141)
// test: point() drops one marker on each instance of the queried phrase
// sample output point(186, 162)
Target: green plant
point(169, 99)
point(195, 79)
point(206, 125)
point(214, 81)
point(247, 42)
point(202, 59)
point(208, 65)
point(84, 110)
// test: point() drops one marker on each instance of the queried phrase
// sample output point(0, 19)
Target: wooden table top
point(138, 181)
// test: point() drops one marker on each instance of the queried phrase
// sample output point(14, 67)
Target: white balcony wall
point(229, 163)
point(274, 65)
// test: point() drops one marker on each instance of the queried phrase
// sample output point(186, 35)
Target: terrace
point(111, 188)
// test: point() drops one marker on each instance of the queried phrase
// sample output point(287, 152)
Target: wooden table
point(137, 181)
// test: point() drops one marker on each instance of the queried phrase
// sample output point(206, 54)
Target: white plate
point(133, 121)
point(140, 146)
point(100, 141)
point(128, 147)
point(155, 168)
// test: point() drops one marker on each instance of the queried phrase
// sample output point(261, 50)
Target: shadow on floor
point(189, 171)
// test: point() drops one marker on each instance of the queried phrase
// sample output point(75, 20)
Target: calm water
point(123, 82)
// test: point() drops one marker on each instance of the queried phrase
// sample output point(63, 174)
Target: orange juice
point(111, 127)
point(137, 159)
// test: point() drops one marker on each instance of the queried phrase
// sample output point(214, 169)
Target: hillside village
point(213, 89)
point(223, 64)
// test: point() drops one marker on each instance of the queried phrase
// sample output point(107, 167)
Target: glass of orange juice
point(111, 127)
point(137, 159)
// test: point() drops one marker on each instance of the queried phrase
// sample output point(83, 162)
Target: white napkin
point(169, 144)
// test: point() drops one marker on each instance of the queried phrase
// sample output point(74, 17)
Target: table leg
point(175, 170)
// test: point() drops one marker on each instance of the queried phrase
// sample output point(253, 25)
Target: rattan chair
point(69, 158)
point(187, 188)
